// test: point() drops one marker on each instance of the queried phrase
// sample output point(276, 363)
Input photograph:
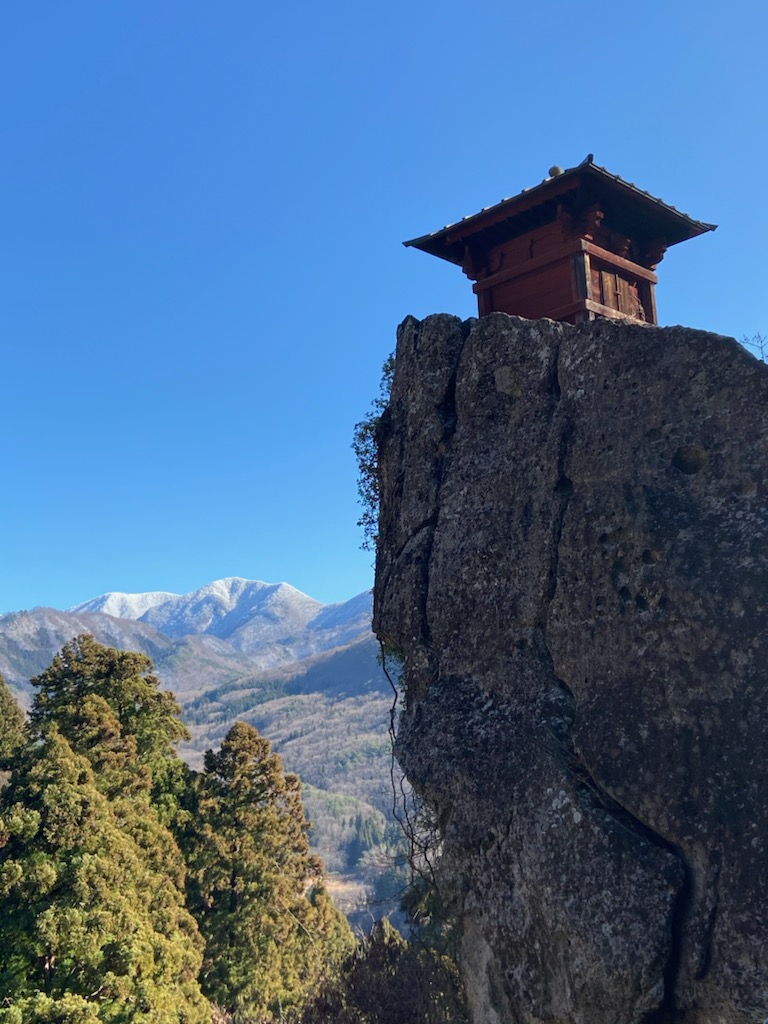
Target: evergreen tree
point(269, 927)
point(148, 717)
point(125, 680)
point(41, 1009)
point(11, 725)
point(93, 926)
point(388, 980)
point(93, 729)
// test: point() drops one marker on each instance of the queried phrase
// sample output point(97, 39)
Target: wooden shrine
point(582, 244)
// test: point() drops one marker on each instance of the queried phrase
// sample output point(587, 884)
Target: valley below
point(306, 675)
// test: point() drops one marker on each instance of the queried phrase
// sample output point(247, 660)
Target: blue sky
point(201, 211)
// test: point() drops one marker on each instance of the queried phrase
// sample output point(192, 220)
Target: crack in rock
point(574, 545)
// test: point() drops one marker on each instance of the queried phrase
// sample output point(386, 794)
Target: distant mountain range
point(273, 623)
point(231, 628)
point(305, 674)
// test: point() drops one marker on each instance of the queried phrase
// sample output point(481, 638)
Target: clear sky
point(201, 211)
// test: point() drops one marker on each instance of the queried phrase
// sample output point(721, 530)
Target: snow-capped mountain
point(248, 613)
point(270, 622)
point(305, 674)
point(123, 606)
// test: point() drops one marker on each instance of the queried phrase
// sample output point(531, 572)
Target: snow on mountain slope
point(355, 611)
point(123, 606)
point(29, 639)
point(305, 673)
point(337, 624)
point(273, 622)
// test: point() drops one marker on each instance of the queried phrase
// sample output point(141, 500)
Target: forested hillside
point(136, 889)
point(304, 674)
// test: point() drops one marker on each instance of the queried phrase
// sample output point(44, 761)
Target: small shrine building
point(582, 244)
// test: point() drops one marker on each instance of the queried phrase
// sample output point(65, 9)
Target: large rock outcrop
point(573, 560)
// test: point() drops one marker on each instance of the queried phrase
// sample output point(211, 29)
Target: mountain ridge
point(304, 673)
point(273, 621)
point(232, 627)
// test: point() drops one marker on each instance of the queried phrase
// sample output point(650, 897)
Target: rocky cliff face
point(573, 559)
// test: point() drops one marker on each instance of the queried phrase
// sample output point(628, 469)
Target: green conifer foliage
point(388, 980)
point(93, 926)
point(125, 680)
point(11, 725)
point(269, 927)
point(93, 729)
point(41, 1009)
point(148, 717)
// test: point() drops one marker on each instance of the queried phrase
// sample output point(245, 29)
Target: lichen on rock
point(573, 560)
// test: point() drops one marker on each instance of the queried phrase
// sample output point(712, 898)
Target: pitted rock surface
point(573, 560)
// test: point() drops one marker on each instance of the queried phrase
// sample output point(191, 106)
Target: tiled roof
point(437, 242)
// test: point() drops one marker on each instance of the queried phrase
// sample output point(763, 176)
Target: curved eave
point(667, 222)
